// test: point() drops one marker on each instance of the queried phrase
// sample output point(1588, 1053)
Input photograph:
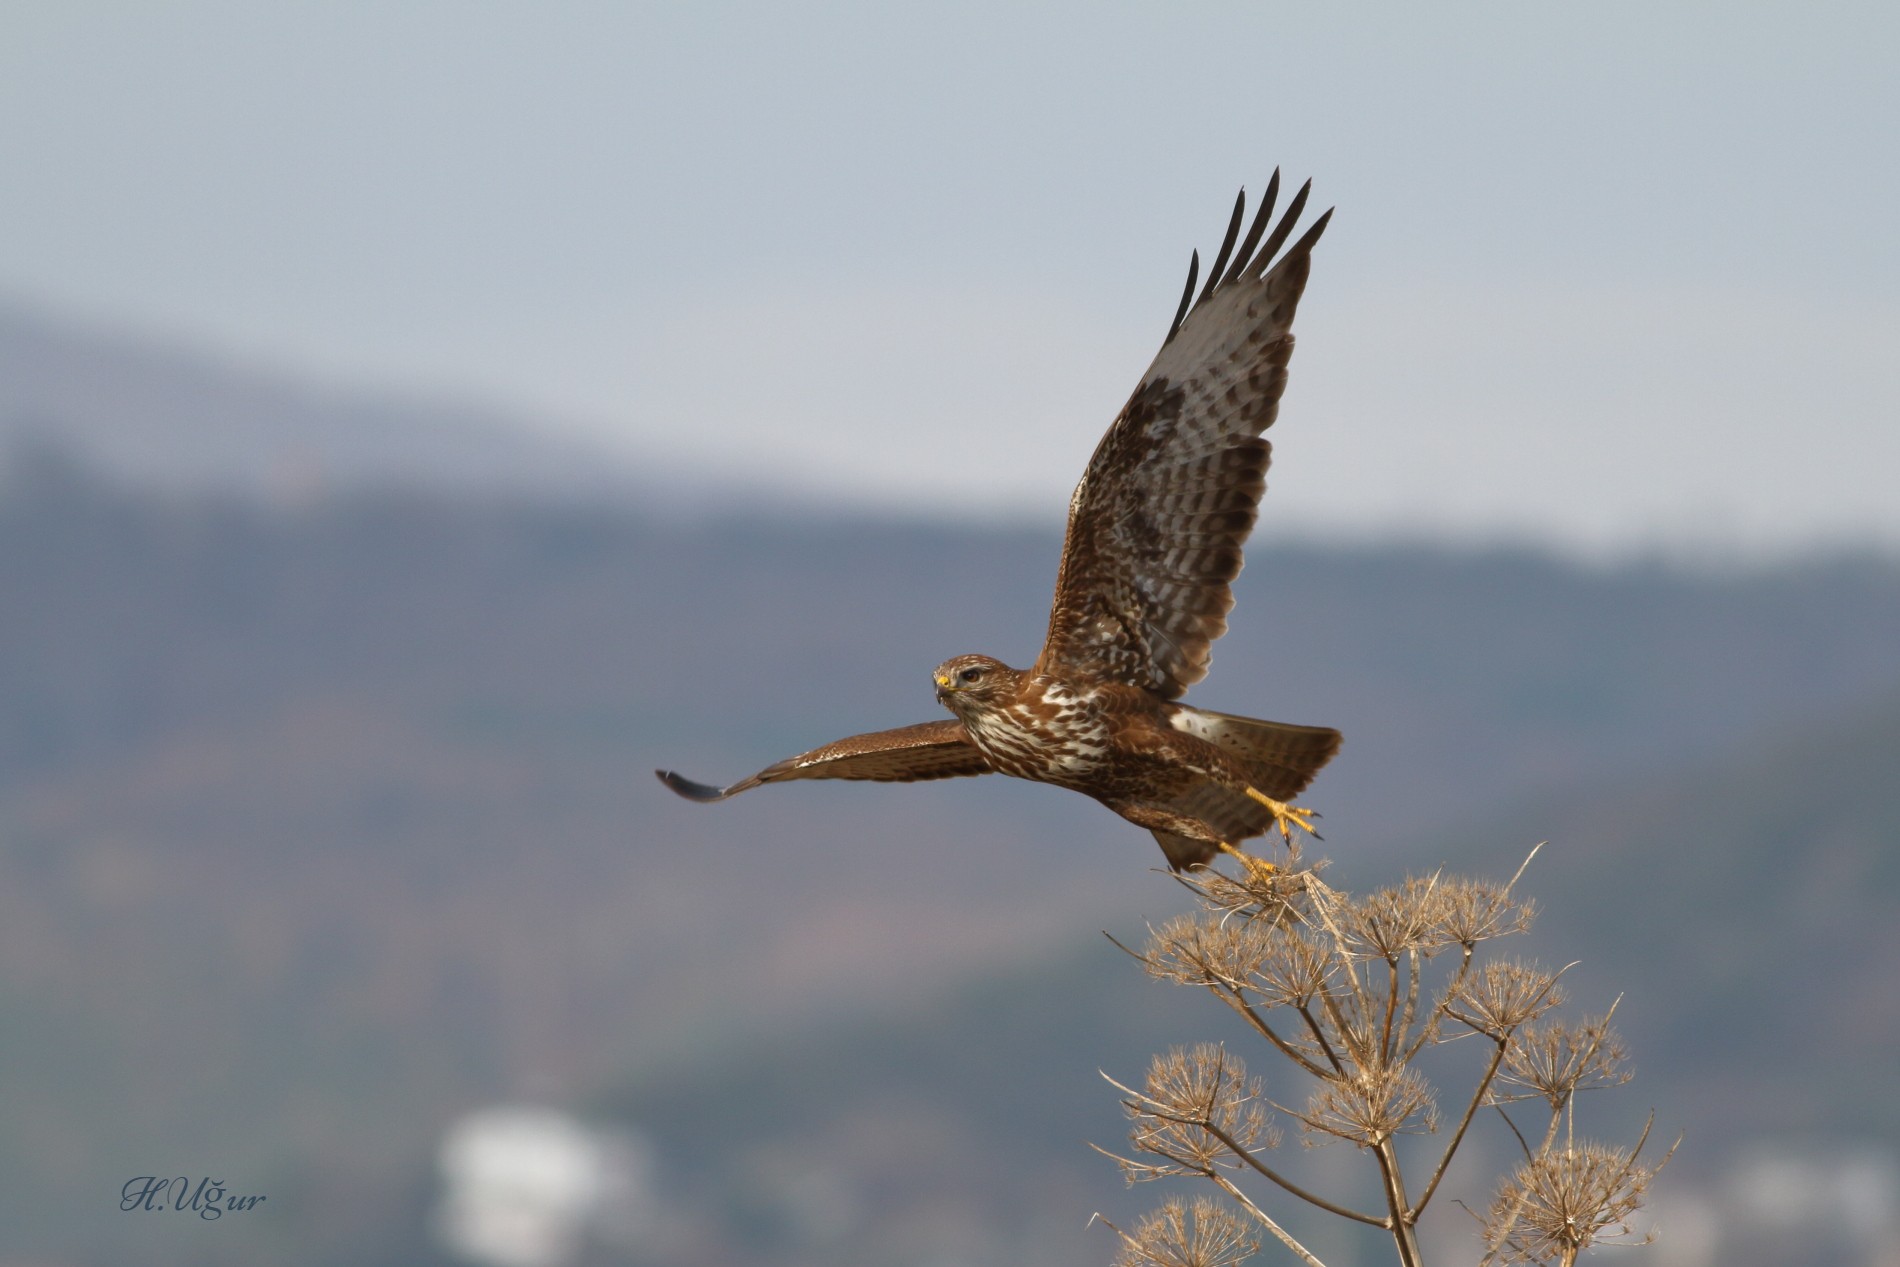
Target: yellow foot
point(1286, 817)
point(1258, 868)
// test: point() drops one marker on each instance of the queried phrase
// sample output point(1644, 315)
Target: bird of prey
point(1154, 539)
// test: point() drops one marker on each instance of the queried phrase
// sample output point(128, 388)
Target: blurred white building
point(1789, 1202)
point(528, 1187)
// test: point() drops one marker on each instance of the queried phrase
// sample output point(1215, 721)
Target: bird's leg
point(1258, 868)
point(1285, 816)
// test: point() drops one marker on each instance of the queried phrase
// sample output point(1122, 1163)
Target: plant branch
point(1522, 1143)
point(1391, 1008)
point(1471, 1111)
point(1322, 899)
point(1319, 1035)
point(1402, 1235)
point(1235, 999)
point(1411, 1000)
point(1286, 1238)
point(1442, 1009)
point(1260, 1167)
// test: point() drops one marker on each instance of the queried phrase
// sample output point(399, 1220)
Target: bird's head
point(972, 681)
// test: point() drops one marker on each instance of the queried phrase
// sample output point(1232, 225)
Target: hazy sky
point(1608, 274)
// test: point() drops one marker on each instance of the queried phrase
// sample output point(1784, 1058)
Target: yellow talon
point(1259, 868)
point(1286, 816)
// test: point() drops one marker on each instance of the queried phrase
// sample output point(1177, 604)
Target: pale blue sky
point(1608, 275)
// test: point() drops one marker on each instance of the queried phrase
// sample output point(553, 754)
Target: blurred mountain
point(322, 823)
point(150, 413)
point(1748, 912)
point(1751, 908)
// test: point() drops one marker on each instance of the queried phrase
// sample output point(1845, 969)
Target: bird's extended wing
point(930, 750)
point(1157, 522)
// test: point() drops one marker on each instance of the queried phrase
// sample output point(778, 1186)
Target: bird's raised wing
point(930, 750)
point(1157, 522)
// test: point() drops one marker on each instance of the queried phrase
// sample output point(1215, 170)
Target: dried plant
point(1563, 1200)
point(1349, 993)
point(1204, 1234)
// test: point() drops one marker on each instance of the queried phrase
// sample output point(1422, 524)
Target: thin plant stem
point(1319, 1036)
point(1236, 1000)
point(1246, 1203)
point(1471, 1111)
point(1402, 1235)
point(1260, 1167)
point(1391, 1008)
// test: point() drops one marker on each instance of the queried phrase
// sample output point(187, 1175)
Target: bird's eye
point(970, 675)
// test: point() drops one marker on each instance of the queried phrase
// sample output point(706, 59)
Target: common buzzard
point(1154, 538)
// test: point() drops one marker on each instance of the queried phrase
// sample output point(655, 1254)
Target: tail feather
point(1184, 853)
point(1282, 757)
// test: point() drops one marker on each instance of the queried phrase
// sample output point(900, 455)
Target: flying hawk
point(1154, 539)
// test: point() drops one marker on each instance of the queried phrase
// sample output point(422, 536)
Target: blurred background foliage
point(326, 821)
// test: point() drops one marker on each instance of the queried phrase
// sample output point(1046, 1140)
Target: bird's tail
point(1282, 758)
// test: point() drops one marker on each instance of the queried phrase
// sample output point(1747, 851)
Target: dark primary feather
point(1259, 224)
point(1187, 292)
point(1158, 520)
point(1227, 244)
point(1248, 259)
point(929, 750)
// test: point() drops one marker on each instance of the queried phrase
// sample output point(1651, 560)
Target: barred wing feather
point(930, 750)
point(1157, 522)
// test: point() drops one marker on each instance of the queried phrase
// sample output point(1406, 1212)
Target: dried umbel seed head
point(1205, 951)
point(1295, 967)
point(1566, 1200)
point(1503, 995)
point(1556, 1060)
point(1255, 891)
point(1369, 1106)
point(1388, 923)
point(1472, 911)
point(1203, 1233)
point(1188, 1091)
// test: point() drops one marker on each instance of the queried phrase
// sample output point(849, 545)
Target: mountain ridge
point(160, 413)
